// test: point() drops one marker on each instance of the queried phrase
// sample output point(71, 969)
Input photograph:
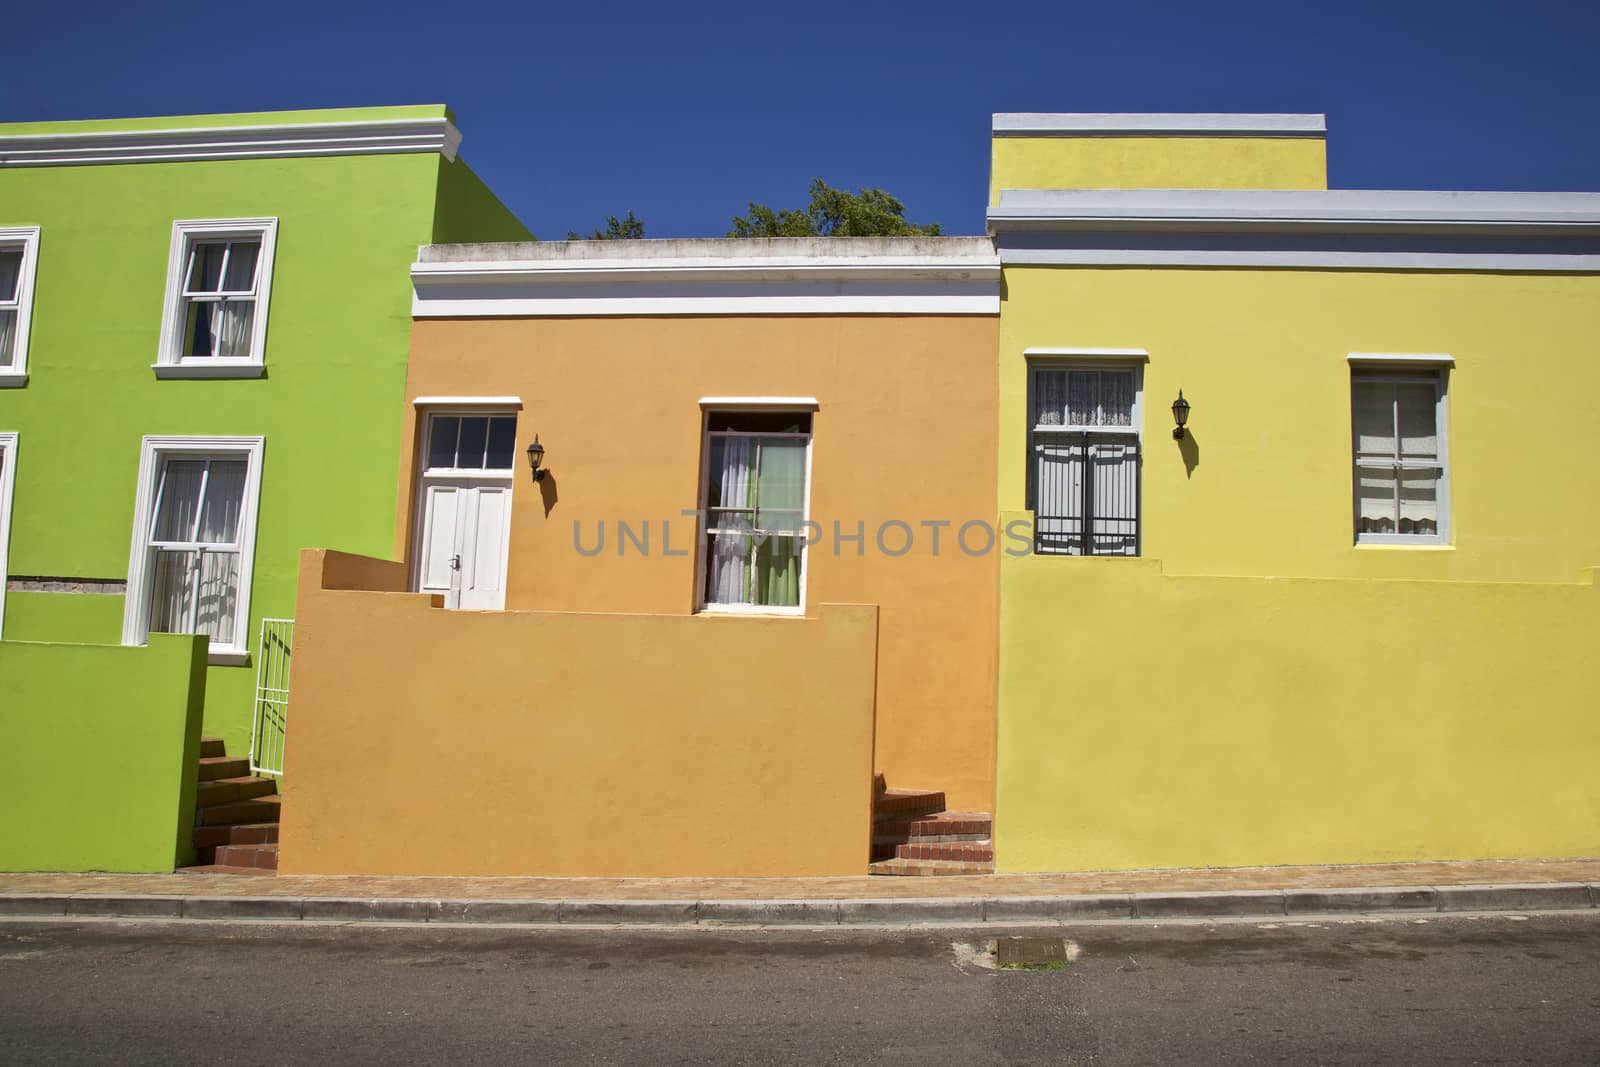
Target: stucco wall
point(1160, 162)
point(904, 430)
point(428, 741)
point(1171, 721)
point(99, 754)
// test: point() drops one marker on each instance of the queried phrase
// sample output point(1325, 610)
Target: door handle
point(455, 563)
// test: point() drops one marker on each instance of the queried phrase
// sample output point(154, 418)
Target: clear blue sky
point(684, 111)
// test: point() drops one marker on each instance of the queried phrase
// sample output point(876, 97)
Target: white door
point(465, 534)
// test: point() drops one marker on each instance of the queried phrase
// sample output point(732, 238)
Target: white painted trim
point(747, 610)
point(1118, 257)
point(211, 368)
point(1113, 124)
point(184, 233)
point(759, 403)
point(222, 657)
point(708, 285)
point(8, 482)
point(1089, 353)
point(136, 603)
point(359, 137)
point(28, 237)
point(1336, 208)
point(468, 402)
point(1432, 359)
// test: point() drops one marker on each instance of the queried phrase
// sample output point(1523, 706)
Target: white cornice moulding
point(1200, 124)
point(1090, 353)
point(746, 403)
point(358, 138)
point(905, 285)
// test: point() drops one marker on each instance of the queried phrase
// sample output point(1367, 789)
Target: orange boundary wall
point(427, 741)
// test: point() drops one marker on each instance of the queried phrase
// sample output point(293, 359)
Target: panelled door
point(464, 510)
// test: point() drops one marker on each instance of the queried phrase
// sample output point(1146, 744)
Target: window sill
point(729, 611)
point(11, 379)
point(228, 657)
point(210, 369)
point(1405, 546)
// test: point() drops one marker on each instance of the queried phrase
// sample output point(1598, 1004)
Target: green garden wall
point(329, 406)
point(100, 754)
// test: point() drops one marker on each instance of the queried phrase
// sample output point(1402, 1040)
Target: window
point(19, 252)
point(753, 548)
point(1083, 470)
point(219, 279)
point(193, 541)
point(471, 443)
point(8, 479)
point(1401, 477)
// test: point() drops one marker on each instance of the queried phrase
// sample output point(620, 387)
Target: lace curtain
point(195, 569)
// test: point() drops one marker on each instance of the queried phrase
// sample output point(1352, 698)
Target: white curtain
point(729, 558)
point(199, 503)
point(8, 333)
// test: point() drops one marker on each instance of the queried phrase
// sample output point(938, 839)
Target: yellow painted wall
point(1261, 355)
point(428, 741)
point(905, 431)
point(1157, 162)
point(1155, 720)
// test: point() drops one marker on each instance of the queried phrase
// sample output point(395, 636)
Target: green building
point(204, 324)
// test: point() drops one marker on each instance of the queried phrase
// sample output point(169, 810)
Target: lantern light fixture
point(536, 459)
point(1180, 415)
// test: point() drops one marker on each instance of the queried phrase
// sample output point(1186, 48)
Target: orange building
point(755, 561)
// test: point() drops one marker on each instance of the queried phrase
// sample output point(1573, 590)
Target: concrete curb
point(943, 911)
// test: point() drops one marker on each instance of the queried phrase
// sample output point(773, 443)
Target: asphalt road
point(1444, 990)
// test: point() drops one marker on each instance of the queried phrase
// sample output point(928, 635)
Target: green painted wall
point(97, 772)
point(469, 211)
point(91, 618)
point(329, 406)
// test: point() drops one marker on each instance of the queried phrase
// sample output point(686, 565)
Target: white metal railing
point(268, 725)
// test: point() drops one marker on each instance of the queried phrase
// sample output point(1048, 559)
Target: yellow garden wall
point(1153, 720)
point(428, 741)
point(904, 430)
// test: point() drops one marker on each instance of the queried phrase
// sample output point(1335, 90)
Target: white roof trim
point(1432, 359)
point(355, 138)
point(1090, 353)
point(747, 402)
point(1111, 124)
point(903, 285)
point(467, 401)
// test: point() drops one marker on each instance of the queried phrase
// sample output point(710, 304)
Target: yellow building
point(1349, 615)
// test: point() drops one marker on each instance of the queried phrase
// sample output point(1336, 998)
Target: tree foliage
point(628, 228)
point(834, 213)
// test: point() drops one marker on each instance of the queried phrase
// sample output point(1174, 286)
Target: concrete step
point(263, 857)
point(927, 868)
point(227, 790)
point(212, 746)
point(213, 768)
point(261, 809)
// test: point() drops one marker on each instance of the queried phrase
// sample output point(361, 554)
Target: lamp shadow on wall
point(548, 492)
point(1189, 449)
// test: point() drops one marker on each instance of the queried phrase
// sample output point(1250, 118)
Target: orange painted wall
point(905, 430)
point(428, 741)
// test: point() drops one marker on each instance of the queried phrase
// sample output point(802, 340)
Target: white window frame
point(1432, 371)
point(732, 406)
point(8, 482)
point(27, 239)
point(136, 605)
point(185, 234)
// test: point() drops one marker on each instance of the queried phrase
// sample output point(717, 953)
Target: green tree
point(834, 213)
point(630, 228)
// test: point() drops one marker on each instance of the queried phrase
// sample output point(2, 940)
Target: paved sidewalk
point(1497, 885)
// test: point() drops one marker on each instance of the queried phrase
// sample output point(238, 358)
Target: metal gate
point(271, 719)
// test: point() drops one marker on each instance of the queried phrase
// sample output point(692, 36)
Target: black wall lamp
point(1180, 415)
point(535, 458)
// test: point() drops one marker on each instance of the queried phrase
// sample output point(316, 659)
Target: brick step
point(900, 805)
point(212, 746)
point(263, 857)
point(964, 851)
point(945, 826)
point(213, 768)
point(928, 868)
point(261, 809)
point(217, 868)
point(249, 833)
point(228, 790)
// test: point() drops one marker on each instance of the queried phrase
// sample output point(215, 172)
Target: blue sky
point(685, 111)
